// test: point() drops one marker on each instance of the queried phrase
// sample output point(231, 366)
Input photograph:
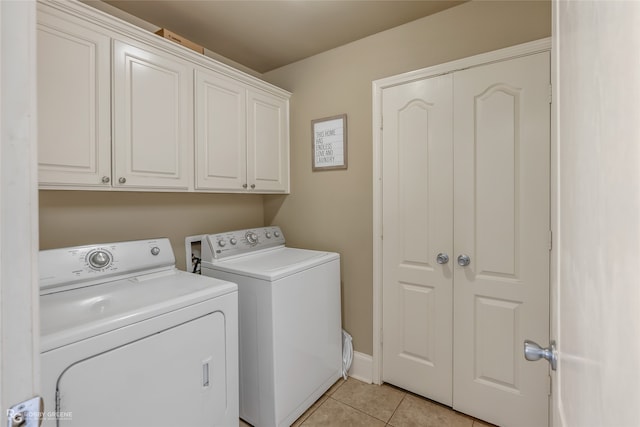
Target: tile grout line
point(311, 413)
point(359, 410)
point(366, 413)
point(304, 420)
point(388, 423)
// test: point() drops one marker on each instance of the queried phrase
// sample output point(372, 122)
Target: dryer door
point(175, 377)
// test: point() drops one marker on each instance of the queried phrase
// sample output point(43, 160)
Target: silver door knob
point(122, 180)
point(442, 258)
point(106, 179)
point(463, 260)
point(533, 351)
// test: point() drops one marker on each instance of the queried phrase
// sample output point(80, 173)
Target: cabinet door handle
point(106, 179)
point(244, 185)
point(253, 186)
point(122, 180)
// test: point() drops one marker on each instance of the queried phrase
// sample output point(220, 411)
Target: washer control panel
point(79, 264)
point(222, 245)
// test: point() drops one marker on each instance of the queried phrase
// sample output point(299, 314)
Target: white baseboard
point(362, 367)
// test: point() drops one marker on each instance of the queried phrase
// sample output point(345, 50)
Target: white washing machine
point(129, 340)
point(290, 322)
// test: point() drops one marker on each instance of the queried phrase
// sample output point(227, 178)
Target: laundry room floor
point(355, 403)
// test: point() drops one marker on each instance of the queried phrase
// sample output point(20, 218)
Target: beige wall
point(333, 210)
point(71, 218)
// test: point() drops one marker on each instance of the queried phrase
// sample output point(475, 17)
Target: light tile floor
point(354, 403)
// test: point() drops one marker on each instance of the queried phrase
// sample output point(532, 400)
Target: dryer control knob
point(221, 243)
point(99, 259)
point(233, 241)
point(276, 233)
point(267, 234)
point(252, 238)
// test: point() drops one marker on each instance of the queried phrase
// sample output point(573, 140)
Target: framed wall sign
point(329, 143)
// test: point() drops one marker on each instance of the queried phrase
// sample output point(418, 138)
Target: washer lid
point(273, 264)
point(77, 314)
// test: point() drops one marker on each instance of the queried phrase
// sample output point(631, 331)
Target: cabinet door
point(153, 97)
point(74, 123)
point(221, 133)
point(268, 143)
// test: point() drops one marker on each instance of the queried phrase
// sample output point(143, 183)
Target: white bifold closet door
point(417, 218)
point(466, 176)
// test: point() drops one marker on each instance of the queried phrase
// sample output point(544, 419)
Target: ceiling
point(267, 34)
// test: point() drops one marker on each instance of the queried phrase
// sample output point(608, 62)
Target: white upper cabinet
point(123, 109)
point(152, 116)
point(221, 133)
point(74, 122)
point(267, 142)
point(242, 137)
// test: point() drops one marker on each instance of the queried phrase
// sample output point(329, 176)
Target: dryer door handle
point(205, 373)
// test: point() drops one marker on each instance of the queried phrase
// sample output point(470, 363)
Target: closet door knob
point(244, 185)
point(442, 258)
point(463, 260)
point(106, 179)
point(122, 180)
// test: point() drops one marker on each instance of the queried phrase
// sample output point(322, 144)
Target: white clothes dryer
point(290, 320)
point(129, 340)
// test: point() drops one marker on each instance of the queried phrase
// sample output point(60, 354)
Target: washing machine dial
point(222, 243)
point(99, 259)
point(251, 237)
point(267, 234)
point(233, 241)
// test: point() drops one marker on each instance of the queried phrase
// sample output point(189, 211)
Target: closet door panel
point(417, 224)
point(501, 221)
point(497, 171)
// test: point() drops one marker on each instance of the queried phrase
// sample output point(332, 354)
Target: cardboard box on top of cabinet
point(170, 35)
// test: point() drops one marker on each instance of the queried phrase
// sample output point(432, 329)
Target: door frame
point(542, 45)
point(19, 289)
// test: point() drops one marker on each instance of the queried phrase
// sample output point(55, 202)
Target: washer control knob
point(233, 241)
point(99, 259)
point(276, 233)
point(155, 250)
point(222, 243)
point(252, 237)
point(267, 234)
